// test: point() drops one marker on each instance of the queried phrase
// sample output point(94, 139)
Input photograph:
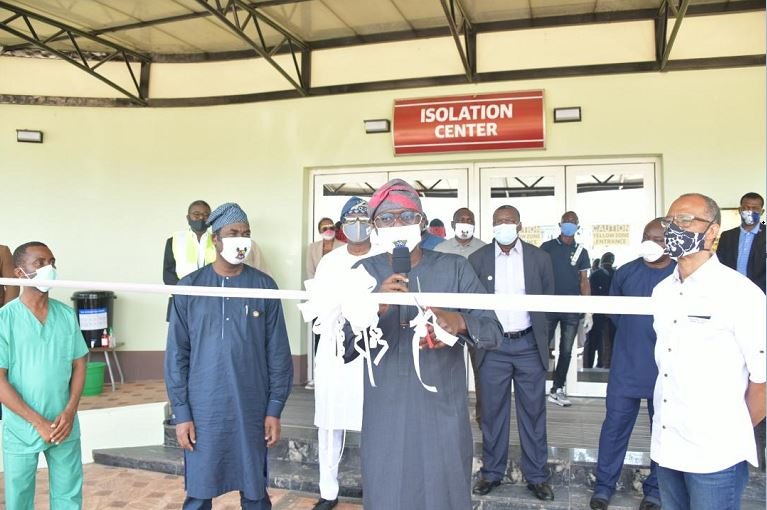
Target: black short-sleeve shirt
point(567, 278)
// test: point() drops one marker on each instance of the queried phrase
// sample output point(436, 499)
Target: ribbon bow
point(419, 324)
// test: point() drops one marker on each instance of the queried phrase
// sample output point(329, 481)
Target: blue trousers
point(515, 360)
point(703, 491)
point(568, 328)
point(246, 504)
point(619, 421)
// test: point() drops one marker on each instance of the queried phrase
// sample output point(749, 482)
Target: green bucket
point(94, 378)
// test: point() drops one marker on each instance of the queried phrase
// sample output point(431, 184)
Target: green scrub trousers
point(65, 474)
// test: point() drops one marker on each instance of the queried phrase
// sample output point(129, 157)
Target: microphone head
point(400, 260)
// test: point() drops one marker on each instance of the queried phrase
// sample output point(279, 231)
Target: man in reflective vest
point(188, 250)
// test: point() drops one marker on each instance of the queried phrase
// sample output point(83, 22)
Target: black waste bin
point(95, 312)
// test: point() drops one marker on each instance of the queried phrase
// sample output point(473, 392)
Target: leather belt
point(513, 335)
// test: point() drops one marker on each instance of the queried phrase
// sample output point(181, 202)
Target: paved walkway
point(108, 487)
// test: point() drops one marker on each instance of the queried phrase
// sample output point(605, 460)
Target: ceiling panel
point(94, 14)
point(484, 11)
point(548, 8)
point(191, 36)
point(423, 15)
point(310, 21)
point(368, 17)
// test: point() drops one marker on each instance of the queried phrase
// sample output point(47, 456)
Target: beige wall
point(109, 185)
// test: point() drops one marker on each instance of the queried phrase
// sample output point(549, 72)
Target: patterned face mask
point(680, 242)
point(750, 217)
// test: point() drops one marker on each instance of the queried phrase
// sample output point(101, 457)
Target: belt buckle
point(514, 335)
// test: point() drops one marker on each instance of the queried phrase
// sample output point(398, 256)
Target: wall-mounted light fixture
point(377, 126)
point(569, 114)
point(29, 136)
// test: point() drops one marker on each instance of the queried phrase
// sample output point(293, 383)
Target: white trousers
point(330, 444)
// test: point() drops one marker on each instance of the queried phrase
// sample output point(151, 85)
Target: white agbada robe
point(338, 386)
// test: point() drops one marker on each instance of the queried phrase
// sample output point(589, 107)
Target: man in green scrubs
point(42, 372)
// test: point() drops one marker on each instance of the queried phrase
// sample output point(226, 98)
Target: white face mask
point(651, 251)
point(505, 233)
point(44, 273)
point(390, 237)
point(235, 249)
point(464, 230)
point(328, 235)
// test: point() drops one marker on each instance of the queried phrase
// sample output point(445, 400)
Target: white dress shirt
point(702, 423)
point(510, 280)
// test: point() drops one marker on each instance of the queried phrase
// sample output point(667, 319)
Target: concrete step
point(572, 484)
point(283, 474)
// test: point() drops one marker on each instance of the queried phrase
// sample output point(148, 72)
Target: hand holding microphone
point(400, 264)
point(398, 282)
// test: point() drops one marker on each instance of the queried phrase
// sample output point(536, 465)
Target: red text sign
point(513, 120)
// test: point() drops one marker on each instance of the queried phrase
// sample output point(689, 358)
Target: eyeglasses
point(681, 220)
point(406, 217)
point(326, 228)
point(351, 220)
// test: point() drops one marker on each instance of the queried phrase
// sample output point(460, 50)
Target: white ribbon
point(332, 302)
point(530, 303)
point(420, 331)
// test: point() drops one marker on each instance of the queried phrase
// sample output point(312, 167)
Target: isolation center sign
point(512, 120)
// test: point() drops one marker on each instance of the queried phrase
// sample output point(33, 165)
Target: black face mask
point(197, 226)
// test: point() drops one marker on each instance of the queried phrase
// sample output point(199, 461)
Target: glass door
point(331, 191)
point(614, 202)
point(538, 192)
point(442, 191)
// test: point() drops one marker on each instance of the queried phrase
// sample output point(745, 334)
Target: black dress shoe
point(483, 487)
point(542, 491)
point(648, 505)
point(598, 503)
point(325, 504)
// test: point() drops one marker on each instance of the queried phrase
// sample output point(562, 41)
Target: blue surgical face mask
point(357, 232)
point(568, 229)
point(505, 233)
point(680, 242)
point(750, 217)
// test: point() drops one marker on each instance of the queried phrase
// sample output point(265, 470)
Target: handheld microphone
point(400, 263)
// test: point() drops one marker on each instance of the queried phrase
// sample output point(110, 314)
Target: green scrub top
point(39, 359)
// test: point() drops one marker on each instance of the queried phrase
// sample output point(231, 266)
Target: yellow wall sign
point(610, 235)
point(532, 235)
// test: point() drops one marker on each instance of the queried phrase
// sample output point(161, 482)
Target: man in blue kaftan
point(228, 371)
point(633, 371)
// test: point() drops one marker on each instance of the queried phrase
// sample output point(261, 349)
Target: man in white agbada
point(338, 386)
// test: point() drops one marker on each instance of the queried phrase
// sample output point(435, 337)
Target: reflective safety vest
point(186, 251)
